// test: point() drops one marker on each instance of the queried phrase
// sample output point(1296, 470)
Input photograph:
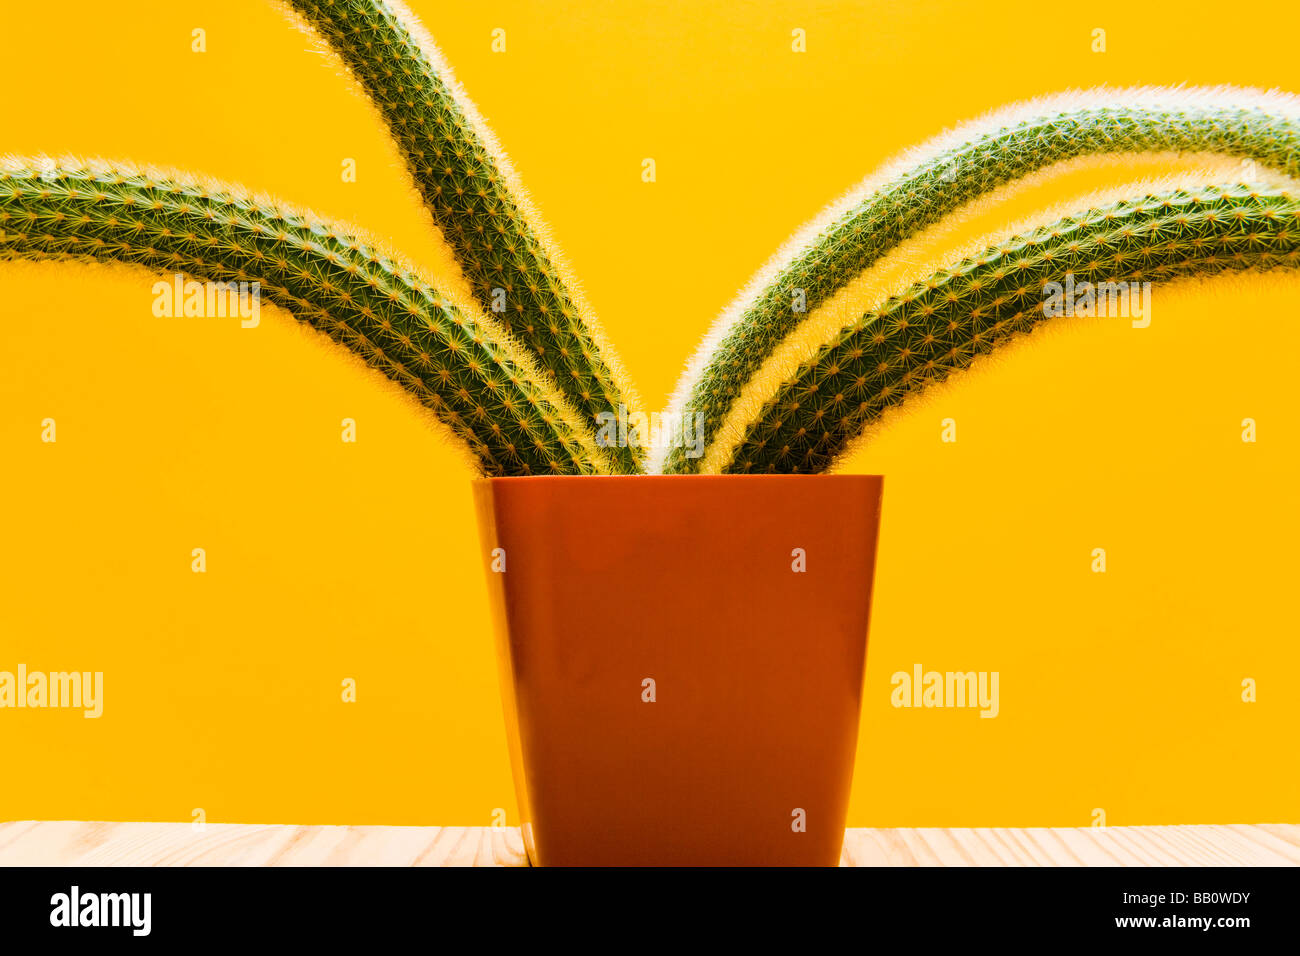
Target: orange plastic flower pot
point(681, 662)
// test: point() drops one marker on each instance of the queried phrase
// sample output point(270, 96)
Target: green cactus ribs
point(941, 325)
point(377, 308)
point(524, 379)
point(466, 189)
point(935, 187)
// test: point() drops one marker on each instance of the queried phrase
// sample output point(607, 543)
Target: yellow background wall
point(329, 561)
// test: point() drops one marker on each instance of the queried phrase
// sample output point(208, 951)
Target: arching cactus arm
point(936, 180)
point(941, 325)
point(468, 189)
point(472, 380)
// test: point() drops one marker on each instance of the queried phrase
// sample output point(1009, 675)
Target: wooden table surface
point(30, 843)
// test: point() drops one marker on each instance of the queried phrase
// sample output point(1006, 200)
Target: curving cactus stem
point(942, 324)
point(526, 388)
point(1264, 129)
point(466, 186)
point(376, 307)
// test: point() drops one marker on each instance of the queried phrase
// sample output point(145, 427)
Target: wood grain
point(225, 844)
point(1260, 845)
point(64, 843)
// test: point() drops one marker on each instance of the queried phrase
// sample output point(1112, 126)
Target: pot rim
point(515, 479)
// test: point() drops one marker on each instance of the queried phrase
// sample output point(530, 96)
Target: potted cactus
point(681, 600)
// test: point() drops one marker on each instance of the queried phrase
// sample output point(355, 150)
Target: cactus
point(935, 327)
point(525, 388)
point(467, 188)
point(953, 171)
point(378, 308)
